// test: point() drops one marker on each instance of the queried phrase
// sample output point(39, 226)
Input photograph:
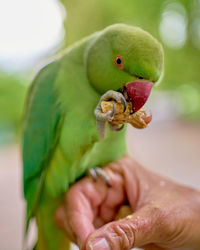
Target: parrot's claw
point(124, 102)
point(98, 172)
point(116, 127)
point(108, 117)
point(117, 96)
point(104, 117)
point(92, 173)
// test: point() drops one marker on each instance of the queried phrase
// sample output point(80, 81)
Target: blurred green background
point(175, 23)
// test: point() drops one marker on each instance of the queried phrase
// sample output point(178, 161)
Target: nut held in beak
point(138, 120)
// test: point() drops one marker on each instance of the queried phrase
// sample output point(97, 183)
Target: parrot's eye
point(119, 62)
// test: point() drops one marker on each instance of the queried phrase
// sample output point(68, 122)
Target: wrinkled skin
point(165, 215)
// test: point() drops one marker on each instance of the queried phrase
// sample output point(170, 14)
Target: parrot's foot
point(101, 117)
point(98, 172)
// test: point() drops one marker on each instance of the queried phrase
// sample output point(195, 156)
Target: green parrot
point(65, 132)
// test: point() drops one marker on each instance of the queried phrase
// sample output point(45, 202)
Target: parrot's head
point(127, 59)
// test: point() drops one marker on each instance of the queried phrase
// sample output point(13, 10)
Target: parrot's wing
point(43, 120)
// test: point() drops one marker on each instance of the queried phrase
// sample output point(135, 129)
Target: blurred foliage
point(12, 95)
point(85, 17)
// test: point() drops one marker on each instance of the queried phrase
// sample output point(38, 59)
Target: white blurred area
point(173, 25)
point(29, 30)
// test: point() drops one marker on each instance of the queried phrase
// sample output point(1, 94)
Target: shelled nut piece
point(138, 119)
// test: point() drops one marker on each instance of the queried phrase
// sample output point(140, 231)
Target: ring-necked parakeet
point(61, 139)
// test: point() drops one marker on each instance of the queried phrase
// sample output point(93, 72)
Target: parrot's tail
point(51, 239)
point(49, 236)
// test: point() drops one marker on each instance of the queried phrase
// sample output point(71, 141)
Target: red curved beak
point(138, 93)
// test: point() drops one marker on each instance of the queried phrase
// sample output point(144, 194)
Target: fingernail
point(100, 244)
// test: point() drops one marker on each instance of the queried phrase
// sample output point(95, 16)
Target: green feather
point(41, 130)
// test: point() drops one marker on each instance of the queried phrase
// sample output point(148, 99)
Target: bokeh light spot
point(189, 98)
point(173, 25)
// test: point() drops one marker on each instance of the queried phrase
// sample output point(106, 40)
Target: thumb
point(136, 230)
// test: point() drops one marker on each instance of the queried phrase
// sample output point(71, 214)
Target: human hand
point(164, 214)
